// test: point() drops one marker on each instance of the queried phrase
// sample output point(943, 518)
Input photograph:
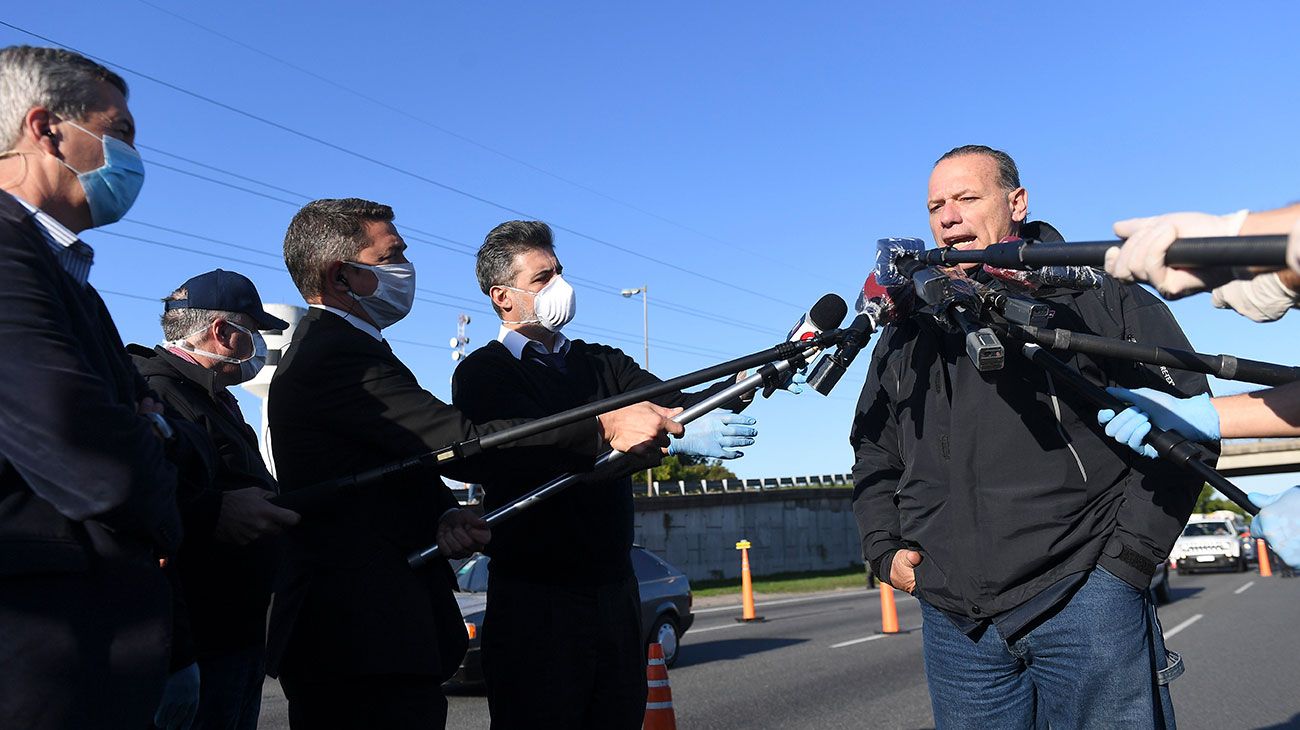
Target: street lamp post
point(644, 291)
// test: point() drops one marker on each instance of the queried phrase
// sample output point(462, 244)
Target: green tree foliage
point(684, 467)
point(1207, 503)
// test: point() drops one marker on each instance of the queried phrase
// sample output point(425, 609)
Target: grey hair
point(1008, 173)
point(325, 231)
point(179, 324)
point(495, 263)
point(64, 82)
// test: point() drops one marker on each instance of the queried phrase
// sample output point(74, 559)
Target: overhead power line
point(430, 238)
point(400, 170)
point(785, 263)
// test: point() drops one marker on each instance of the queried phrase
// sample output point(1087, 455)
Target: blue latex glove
point(180, 700)
point(1129, 427)
point(1194, 418)
point(795, 386)
point(1278, 522)
point(714, 434)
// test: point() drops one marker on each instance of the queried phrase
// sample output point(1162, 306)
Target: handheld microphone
point(954, 300)
point(877, 306)
point(825, 315)
point(893, 253)
point(1027, 312)
point(1075, 278)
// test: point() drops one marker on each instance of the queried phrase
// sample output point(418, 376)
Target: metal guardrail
point(733, 486)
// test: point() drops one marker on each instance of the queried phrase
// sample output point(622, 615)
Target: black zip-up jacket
point(1003, 480)
point(227, 587)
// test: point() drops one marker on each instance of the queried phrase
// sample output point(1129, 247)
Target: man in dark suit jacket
point(587, 669)
point(357, 637)
point(87, 496)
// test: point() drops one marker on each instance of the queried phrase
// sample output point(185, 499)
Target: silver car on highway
point(665, 607)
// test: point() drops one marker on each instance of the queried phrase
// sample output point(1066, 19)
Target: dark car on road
point(665, 607)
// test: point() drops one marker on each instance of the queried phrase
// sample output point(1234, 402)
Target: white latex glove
point(1293, 248)
point(1142, 257)
point(1264, 298)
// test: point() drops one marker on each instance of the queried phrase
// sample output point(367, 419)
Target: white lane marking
point(784, 601)
point(851, 642)
point(693, 632)
point(1242, 589)
point(1184, 625)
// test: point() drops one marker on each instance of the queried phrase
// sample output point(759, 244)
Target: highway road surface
point(817, 662)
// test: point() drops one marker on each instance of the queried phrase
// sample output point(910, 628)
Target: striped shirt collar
point(516, 342)
point(74, 255)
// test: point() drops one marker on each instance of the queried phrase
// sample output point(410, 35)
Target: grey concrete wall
point(792, 530)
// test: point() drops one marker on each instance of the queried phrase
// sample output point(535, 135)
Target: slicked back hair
point(64, 82)
point(495, 263)
point(325, 231)
point(1008, 173)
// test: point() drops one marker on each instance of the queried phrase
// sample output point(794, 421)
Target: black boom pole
point(1228, 367)
point(1263, 251)
point(1170, 445)
point(312, 496)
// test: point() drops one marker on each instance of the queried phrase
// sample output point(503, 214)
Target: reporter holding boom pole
point(357, 637)
point(1274, 412)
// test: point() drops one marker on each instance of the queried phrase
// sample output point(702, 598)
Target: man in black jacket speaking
point(358, 638)
point(997, 500)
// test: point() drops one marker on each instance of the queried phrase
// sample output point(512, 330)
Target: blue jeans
point(230, 690)
point(1098, 661)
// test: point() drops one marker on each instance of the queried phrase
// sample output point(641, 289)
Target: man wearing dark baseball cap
point(211, 341)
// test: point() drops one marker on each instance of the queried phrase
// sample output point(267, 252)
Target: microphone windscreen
point(828, 312)
point(889, 249)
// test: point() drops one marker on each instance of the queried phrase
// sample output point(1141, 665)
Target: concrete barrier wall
point(791, 530)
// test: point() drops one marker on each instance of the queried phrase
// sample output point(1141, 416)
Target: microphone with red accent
point(878, 305)
point(824, 316)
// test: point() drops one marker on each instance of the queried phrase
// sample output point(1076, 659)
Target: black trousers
point(84, 651)
point(363, 702)
point(564, 658)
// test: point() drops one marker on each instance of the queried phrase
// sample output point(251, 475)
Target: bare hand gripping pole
point(564, 481)
point(315, 495)
point(1268, 252)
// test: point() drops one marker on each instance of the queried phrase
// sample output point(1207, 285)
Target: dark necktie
point(553, 360)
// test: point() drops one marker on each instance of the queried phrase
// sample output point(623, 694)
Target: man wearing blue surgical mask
point(210, 342)
point(87, 493)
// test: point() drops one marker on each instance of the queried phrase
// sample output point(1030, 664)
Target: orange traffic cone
point(1261, 550)
point(888, 611)
point(659, 697)
point(747, 613)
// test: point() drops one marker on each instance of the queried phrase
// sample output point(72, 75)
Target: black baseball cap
point(226, 291)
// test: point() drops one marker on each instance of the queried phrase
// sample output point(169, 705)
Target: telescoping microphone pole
point(1170, 445)
point(1228, 367)
point(1268, 252)
point(316, 494)
point(564, 481)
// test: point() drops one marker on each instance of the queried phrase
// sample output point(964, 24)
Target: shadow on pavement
point(724, 649)
point(1291, 724)
point(1177, 593)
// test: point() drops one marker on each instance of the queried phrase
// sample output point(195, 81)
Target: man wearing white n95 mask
point(592, 654)
point(357, 637)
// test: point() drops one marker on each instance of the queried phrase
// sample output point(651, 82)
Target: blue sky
point(740, 159)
